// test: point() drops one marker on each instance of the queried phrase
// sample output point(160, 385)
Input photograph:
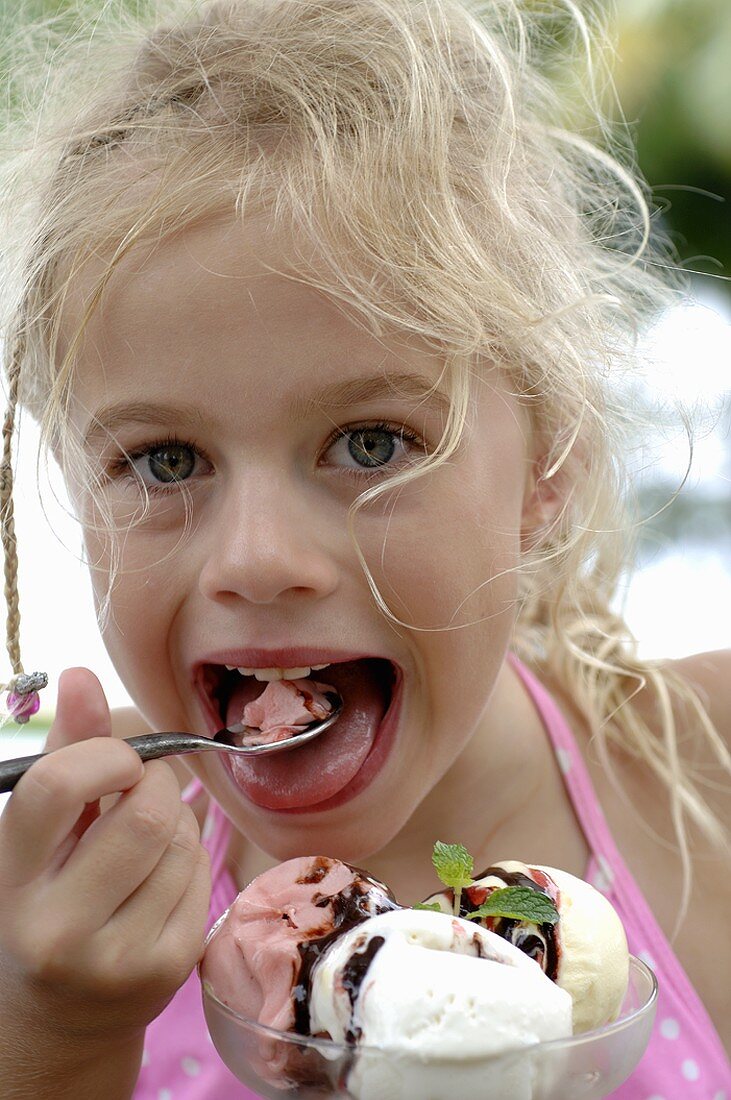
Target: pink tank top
point(684, 1061)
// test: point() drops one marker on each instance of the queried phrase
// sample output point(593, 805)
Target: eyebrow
point(104, 423)
point(354, 391)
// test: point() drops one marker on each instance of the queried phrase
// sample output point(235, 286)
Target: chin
point(353, 837)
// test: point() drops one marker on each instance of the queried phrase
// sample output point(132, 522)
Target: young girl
point(321, 311)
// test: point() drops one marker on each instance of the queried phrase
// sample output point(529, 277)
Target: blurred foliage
point(688, 515)
point(672, 73)
point(16, 12)
point(693, 519)
point(37, 726)
point(673, 78)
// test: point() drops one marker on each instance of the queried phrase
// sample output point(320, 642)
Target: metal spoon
point(151, 746)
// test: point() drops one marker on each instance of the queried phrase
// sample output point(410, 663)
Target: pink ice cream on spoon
point(284, 709)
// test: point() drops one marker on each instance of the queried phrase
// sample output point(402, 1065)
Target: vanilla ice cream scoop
point(593, 964)
point(429, 981)
point(585, 952)
point(441, 994)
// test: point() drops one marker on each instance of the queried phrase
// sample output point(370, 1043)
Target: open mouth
point(328, 767)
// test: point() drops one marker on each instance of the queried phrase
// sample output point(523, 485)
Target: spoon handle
point(151, 746)
point(148, 746)
point(12, 770)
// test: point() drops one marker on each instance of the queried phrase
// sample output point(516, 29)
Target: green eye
point(371, 447)
point(171, 463)
point(360, 448)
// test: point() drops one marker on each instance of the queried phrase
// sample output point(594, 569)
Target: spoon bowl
point(153, 746)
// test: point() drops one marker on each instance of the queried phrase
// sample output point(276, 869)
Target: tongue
point(316, 771)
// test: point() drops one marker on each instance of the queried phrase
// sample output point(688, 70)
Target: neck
point(480, 802)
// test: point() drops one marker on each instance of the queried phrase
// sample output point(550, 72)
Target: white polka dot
point(564, 760)
point(690, 1070)
point(191, 1066)
point(208, 826)
point(655, 1097)
point(164, 1094)
point(670, 1028)
point(604, 876)
point(145, 1057)
point(720, 1095)
point(648, 960)
point(598, 881)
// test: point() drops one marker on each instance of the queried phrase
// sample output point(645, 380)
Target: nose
point(265, 544)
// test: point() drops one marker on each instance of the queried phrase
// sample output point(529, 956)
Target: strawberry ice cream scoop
point(260, 954)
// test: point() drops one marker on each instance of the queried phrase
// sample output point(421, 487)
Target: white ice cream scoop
point(585, 953)
point(441, 995)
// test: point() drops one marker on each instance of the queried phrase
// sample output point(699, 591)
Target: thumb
point(82, 710)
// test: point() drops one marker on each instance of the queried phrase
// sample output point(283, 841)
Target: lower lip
point(374, 761)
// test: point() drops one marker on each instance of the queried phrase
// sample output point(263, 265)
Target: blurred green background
point(674, 78)
point(672, 73)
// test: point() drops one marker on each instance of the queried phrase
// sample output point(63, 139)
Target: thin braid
point(23, 687)
point(7, 520)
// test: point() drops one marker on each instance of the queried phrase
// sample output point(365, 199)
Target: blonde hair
point(418, 146)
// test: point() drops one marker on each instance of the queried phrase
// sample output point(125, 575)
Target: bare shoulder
point(710, 675)
point(701, 750)
point(128, 722)
point(646, 834)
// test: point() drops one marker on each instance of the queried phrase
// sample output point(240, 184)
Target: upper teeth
point(276, 673)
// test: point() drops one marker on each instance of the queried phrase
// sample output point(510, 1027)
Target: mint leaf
point(454, 865)
point(518, 903)
point(432, 906)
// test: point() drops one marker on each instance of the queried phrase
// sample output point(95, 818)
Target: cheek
point(451, 551)
point(136, 604)
point(448, 570)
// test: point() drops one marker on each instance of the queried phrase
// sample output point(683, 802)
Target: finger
point(120, 850)
point(50, 797)
point(185, 930)
point(169, 960)
point(82, 710)
point(152, 903)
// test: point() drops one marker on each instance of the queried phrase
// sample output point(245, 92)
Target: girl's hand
point(102, 916)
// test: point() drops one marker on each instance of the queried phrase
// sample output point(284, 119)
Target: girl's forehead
point(225, 288)
point(220, 305)
point(222, 299)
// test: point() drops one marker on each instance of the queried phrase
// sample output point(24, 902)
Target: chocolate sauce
point(353, 905)
point(320, 867)
point(353, 974)
point(544, 948)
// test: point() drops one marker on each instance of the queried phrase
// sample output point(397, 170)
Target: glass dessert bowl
point(589, 1065)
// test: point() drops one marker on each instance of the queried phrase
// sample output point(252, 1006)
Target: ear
point(545, 495)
